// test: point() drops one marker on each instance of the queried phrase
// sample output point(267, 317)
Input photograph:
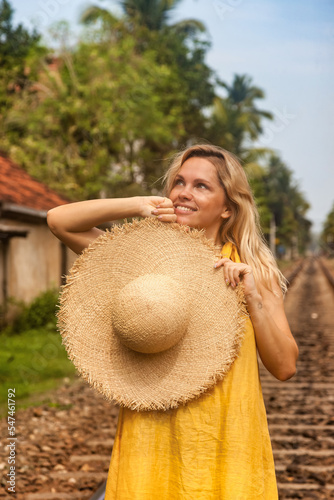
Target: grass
point(32, 362)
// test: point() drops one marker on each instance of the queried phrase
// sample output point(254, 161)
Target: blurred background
point(95, 97)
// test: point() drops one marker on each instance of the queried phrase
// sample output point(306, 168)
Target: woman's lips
point(179, 209)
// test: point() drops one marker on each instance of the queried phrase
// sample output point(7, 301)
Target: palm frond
point(189, 27)
point(93, 14)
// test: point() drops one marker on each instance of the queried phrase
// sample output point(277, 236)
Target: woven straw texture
point(177, 257)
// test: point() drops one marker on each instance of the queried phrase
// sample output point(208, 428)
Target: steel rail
point(329, 275)
point(294, 273)
point(100, 492)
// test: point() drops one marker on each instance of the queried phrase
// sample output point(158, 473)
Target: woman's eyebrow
point(205, 181)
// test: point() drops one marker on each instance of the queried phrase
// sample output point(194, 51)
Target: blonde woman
point(217, 446)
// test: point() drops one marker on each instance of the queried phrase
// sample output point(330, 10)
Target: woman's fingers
point(167, 217)
point(233, 272)
point(231, 276)
point(228, 270)
point(162, 211)
point(165, 211)
point(166, 203)
point(221, 262)
point(165, 214)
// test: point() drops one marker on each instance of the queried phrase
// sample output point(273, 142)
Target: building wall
point(34, 263)
point(1, 275)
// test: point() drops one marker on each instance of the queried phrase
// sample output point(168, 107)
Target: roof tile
point(18, 187)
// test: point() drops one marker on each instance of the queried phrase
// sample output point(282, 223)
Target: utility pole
point(272, 235)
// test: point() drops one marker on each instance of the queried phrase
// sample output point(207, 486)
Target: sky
point(285, 46)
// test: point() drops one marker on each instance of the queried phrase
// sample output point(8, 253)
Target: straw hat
point(145, 317)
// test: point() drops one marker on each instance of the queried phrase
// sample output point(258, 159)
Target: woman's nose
point(185, 193)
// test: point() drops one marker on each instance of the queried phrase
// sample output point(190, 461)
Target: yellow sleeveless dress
point(216, 447)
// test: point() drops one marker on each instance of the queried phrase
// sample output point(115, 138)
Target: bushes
point(40, 312)
point(32, 357)
point(33, 361)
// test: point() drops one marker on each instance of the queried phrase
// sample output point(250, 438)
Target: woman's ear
point(226, 213)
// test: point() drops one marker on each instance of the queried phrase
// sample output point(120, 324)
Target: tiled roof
point(19, 188)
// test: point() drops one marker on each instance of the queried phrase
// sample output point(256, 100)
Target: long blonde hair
point(242, 228)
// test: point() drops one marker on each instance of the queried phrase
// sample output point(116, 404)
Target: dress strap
point(229, 251)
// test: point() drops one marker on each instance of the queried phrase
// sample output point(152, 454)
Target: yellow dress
point(216, 447)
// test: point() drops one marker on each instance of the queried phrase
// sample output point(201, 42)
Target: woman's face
point(198, 197)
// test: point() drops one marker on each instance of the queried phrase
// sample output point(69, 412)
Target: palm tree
point(94, 13)
point(241, 96)
point(236, 121)
point(151, 14)
point(327, 235)
point(286, 203)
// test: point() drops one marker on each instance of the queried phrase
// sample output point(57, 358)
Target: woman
point(218, 446)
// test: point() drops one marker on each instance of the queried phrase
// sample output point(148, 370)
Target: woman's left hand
point(236, 272)
point(275, 343)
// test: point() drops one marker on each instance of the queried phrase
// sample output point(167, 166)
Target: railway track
point(64, 448)
point(301, 411)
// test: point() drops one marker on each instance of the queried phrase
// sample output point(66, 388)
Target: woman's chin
point(184, 221)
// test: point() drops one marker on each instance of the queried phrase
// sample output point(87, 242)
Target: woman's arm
point(276, 345)
point(74, 224)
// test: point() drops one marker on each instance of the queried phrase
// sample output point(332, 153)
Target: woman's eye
point(202, 186)
point(178, 182)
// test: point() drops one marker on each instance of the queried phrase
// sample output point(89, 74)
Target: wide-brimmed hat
point(147, 319)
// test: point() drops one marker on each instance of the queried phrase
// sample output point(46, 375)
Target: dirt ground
point(63, 450)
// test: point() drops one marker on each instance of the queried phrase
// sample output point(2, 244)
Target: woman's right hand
point(75, 223)
point(157, 206)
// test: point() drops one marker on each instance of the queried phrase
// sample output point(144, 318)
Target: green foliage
point(15, 48)
point(287, 204)
point(98, 119)
point(327, 235)
point(15, 41)
point(181, 47)
point(236, 119)
point(34, 361)
point(150, 13)
point(256, 175)
point(41, 312)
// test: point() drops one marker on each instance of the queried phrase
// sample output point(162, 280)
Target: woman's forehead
point(197, 167)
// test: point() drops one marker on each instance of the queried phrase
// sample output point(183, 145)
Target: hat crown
point(151, 314)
